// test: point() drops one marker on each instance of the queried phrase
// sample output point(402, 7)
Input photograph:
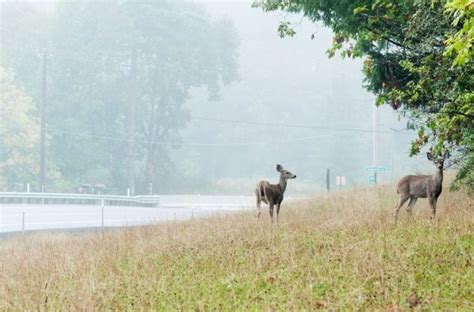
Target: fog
point(176, 97)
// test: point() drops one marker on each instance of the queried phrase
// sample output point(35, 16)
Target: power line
point(170, 143)
point(166, 143)
point(129, 139)
point(282, 125)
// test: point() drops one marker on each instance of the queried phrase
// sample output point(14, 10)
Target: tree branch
point(458, 113)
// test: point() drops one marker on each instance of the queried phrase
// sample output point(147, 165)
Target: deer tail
point(259, 192)
point(264, 192)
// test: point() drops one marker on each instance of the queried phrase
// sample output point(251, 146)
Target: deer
point(272, 194)
point(412, 187)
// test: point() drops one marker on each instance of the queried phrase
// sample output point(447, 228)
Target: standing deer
point(421, 186)
point(272, 194)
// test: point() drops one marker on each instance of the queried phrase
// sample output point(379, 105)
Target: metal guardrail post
point(102, 204)
point(23, 221)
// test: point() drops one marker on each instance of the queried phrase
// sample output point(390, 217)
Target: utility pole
point(131, 120)
point(328, 181)
point(43, 124)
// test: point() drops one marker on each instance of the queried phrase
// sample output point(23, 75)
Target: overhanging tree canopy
point(418, 59)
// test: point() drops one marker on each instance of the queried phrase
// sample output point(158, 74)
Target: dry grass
point(335, 252)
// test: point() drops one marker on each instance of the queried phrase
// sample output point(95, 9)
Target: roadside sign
point(341, 180)
point(376, 169)
point(371, 179)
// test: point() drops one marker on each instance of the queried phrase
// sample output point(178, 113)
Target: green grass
point(336, 253)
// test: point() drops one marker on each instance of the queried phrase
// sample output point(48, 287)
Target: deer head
point(284, 174)
point(438, 161)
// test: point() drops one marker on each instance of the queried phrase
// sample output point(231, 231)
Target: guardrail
point(32, 211)
point(78, 199)
point(156, 201)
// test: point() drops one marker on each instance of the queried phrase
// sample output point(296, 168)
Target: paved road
point(41, 217)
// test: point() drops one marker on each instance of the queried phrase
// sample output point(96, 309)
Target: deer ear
point(429, 156)
point(279, 168)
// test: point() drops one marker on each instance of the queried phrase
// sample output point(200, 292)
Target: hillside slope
point(334, 252)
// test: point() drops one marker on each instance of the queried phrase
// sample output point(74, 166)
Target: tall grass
point(334, 252)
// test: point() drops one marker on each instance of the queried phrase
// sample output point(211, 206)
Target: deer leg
point(258, 207)
point(259, 202)
point(410, 206)
point(259, 211)
point(432, 202)
point(399, 205)
point(278, 210)
point(271, 211)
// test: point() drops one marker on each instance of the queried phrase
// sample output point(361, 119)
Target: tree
point(418, 59)
point(119, 74)
point(460, 46)
point(19, 135)
point(176, 49)
point(461, 43)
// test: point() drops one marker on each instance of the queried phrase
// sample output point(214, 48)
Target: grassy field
point(338, 252)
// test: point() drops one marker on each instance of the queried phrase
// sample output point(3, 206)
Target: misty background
point(175, 97)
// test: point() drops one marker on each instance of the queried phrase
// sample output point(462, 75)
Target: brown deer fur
point(272, 194)
point(412, 187)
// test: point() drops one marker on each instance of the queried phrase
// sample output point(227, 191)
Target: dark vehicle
point(84, 189)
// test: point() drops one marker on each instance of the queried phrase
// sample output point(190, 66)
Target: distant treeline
point(117, 77)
